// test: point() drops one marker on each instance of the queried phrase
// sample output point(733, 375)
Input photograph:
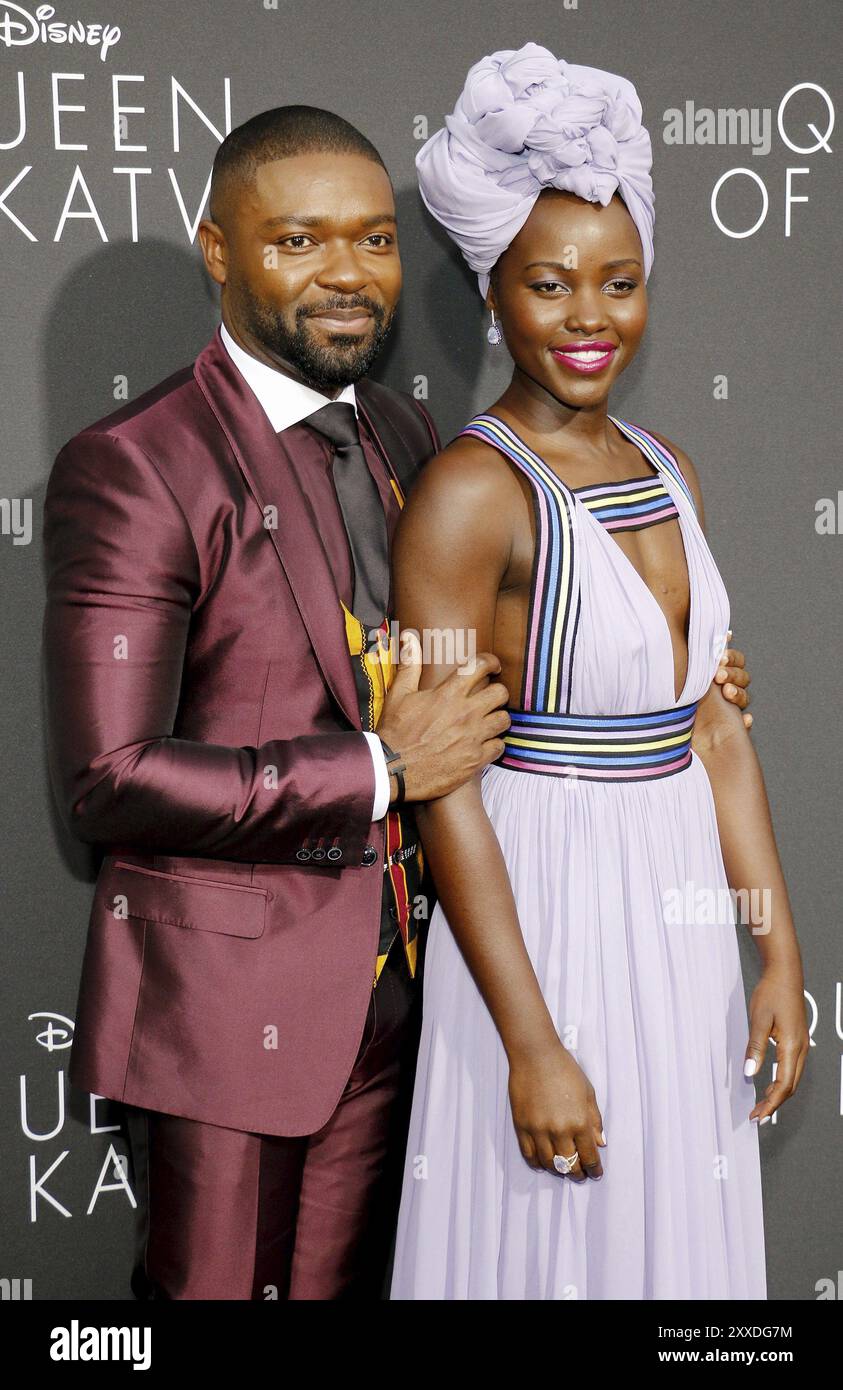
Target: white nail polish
point(765, 1119)
point(750, 1066)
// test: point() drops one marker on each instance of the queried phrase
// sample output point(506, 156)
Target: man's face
point(308, 261)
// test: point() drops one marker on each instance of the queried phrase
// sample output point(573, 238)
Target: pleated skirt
point(624, 906)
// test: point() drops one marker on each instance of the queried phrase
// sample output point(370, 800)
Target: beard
point(344, 359)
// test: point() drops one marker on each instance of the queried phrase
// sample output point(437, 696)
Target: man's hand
point(733, 679)
point(448, 733)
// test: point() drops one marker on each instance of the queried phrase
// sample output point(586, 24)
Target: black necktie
point(362, 510)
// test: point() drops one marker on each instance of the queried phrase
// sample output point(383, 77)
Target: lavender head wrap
point(527, 121)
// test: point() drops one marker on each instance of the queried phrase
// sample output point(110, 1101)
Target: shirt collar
point(285, 400)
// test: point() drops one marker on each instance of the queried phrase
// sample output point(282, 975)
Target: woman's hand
point(733, 678)
point(555, 1111)
point(777, 1011)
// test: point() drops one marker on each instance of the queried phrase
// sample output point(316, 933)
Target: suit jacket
point(204, 729)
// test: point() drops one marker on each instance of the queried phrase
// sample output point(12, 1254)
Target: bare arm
point(451, 554)
point(746, 830)
point(753, 868)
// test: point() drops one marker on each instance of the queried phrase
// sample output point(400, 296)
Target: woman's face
point(569, 292)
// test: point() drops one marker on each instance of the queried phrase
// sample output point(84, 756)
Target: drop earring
point(493, 332)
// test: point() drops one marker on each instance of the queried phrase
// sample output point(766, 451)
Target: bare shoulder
point(461, 506)
point(467, 468)
point(467, 482)
point(689, 472)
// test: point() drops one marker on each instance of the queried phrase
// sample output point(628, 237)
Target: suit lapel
point(265, 464)
point(391, 445)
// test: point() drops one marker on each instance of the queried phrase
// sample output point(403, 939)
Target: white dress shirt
point(286, 402)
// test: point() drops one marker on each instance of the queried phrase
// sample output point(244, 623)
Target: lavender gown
point(606, 821)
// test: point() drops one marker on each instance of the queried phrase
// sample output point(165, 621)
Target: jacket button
point(303, 854)
point(370, 855)
point(335, 852)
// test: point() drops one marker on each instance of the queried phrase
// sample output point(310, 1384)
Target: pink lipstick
point(585, 357)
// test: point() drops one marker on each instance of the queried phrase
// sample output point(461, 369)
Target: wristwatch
point(395, 766)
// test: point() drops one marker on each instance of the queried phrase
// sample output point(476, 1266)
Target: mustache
point(348, 301)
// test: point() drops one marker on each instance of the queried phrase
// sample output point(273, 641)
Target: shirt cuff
point(381, 805)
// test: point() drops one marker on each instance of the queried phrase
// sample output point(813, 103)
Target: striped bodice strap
point(630, 505)
point(656, 452)
point(599, 748)
point(555, 585)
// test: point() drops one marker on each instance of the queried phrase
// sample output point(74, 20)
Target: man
point(217, 557)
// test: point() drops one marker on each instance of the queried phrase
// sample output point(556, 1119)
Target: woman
point(581, 972)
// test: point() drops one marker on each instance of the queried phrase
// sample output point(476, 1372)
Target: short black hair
point(278, 134)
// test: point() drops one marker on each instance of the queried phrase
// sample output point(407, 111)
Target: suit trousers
point(224, 1214)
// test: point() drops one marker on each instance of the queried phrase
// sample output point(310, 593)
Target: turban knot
point(527, 121)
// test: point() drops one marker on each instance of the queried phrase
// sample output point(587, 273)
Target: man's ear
point(214, 249)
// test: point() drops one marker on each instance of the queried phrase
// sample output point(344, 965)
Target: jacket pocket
point(199, 904)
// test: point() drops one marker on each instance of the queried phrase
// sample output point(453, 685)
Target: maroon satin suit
point(204, 729)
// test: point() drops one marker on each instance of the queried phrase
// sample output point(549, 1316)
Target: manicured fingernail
point(766, 1118)
point(602, 1137)
point(750, 1066)
point(730, 689)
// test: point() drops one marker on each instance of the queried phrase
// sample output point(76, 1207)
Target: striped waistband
point(598, 748)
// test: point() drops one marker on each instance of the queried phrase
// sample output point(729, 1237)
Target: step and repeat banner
point(110, 114)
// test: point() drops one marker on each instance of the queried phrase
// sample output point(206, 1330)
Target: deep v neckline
point(581, 509)
point(610, 540)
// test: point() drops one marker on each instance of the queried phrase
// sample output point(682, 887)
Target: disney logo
point(55, 1039)
point(18, 26)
